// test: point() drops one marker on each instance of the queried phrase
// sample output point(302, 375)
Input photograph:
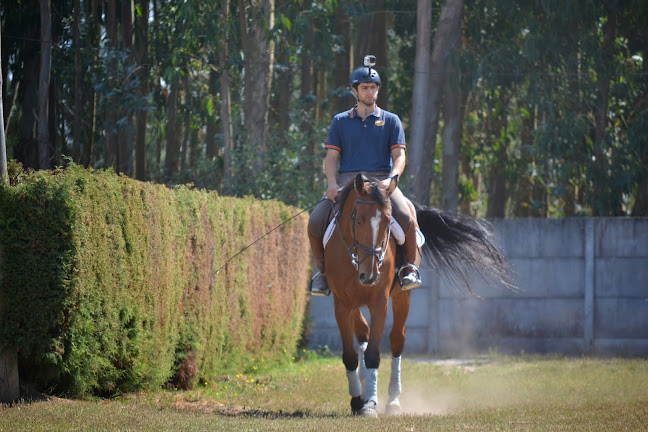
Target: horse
point(362, 256)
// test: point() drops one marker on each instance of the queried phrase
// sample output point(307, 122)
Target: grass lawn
point(492, 393)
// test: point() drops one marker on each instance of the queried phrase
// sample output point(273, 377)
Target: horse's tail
point(458, 246)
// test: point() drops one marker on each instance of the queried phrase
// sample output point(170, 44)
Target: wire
point(266, 234)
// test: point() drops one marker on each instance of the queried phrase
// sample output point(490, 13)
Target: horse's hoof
point(393, 408)
point(369, 410)
point(356, 404)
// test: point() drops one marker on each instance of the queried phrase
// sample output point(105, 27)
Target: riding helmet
point(364, 74)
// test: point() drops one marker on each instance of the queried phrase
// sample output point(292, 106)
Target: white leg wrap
point(361, 350)
point(371, 391)
point(395, 379)
point(355, 389)
point(361, 364)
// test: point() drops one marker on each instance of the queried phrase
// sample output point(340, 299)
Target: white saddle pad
point(396, 231)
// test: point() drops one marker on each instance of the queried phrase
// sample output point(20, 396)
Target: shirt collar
point(354, 112)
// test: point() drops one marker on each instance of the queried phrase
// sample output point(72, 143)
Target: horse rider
point(365, 139)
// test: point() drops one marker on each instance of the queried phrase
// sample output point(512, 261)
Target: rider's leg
point(408, 274)
point(316, 227)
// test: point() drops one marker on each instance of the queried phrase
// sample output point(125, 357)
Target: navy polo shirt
point(365, 145)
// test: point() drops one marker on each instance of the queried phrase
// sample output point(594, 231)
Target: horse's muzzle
point(369, 278)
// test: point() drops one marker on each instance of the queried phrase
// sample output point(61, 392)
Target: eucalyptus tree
point(3, 143)
point(559, 148)
point(257, 19)
point(424, 130)
point(141, 55)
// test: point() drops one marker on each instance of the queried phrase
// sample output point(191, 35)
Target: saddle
point(396, 232)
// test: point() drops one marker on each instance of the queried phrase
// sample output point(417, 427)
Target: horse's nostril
point(363, 277)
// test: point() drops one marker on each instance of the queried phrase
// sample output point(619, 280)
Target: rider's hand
point(332, 191)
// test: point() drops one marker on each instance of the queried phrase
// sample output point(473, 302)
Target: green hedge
point(109, 285)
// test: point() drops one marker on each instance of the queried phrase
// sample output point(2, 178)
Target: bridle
point(378, 253)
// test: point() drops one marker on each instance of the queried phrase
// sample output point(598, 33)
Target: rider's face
point(367, 93)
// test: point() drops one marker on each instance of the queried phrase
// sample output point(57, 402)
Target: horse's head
point(367, 211)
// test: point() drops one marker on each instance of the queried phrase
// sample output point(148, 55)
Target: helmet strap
point(354, 93)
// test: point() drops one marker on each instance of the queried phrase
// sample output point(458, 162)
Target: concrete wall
point(583, 290)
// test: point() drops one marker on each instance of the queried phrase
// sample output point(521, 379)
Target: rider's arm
point(330, 170)
point(398, 161)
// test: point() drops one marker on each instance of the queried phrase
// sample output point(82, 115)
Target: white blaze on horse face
point(375, 226)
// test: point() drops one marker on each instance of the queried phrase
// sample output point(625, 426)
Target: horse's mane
point(377, 192)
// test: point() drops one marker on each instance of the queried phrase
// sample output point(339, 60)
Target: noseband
point(378, 252)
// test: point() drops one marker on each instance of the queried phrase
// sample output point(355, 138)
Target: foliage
point(110, 285)
point(536, 77)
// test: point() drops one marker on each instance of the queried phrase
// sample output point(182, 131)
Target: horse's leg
point(378, 311)
point(344, 317)
point(400, 308)
point(362, 336)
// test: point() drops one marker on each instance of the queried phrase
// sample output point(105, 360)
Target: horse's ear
point(392, 185)
point(359, 183)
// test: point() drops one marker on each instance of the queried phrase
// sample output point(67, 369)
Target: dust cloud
point(455, 385)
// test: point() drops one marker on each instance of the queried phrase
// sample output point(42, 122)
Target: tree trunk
point(226, 102)
point(425, 122)
point(640, 208)
point(156, 31)
point(185, 151)
point(142, 48)
point(497, 192)
point(497, 125)
point(44, 143)
point(90, 114)
point(125, 138)
point(524, 202)
point(111, 149)
point(602, 200)
point(306, 94)
point(451, 141)
point(259, 55)
point(54, 131)
point(343, 98)
point(420, 96)
point(210, 135)
point(281, 109)
point(171, 158)
point(3, 143)
point(372, 39)
point(78, 84)
point(4, 71)
point(27, 150)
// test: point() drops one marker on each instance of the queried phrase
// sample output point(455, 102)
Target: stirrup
point(409, 284)
point(320, 287)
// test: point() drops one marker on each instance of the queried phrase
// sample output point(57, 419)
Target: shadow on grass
point(206, 406)
point(274, 415)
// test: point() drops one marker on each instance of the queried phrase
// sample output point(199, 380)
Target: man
point(364, 139)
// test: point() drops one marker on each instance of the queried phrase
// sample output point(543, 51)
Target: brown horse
point(362, 258)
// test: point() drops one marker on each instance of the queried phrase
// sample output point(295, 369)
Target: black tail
point(457, 246)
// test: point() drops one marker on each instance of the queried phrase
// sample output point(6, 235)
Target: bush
point(109, 285)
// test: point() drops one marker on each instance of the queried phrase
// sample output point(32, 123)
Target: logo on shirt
point(380, 123)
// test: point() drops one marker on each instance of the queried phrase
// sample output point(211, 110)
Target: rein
point(266, 234)
point(378, 252)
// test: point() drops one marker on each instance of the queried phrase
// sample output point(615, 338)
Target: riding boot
point(318, 285)
point(408, 275)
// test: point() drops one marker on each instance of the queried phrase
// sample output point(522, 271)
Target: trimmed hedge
point(108, 285)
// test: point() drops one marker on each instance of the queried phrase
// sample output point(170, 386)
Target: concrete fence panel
point(583, 289)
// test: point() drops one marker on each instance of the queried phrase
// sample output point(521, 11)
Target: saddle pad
point(396, 230)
